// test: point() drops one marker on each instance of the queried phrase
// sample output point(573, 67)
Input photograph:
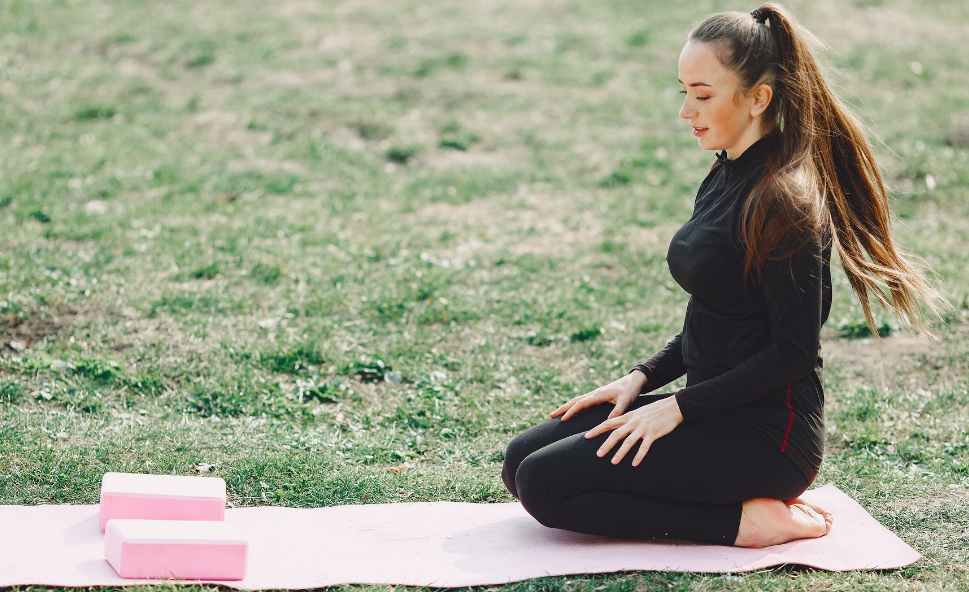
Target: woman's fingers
point(617, 434)
point(643, 449)
point(565, 407)
point(575, 408)
point(627, 445)
point(648, 423)
point(582, 402)
point(622, 428)
point(560, 410)
point(603, 427)
point(618, 410)
point(608, 444)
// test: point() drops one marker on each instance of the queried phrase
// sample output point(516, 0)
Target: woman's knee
point(530, 484)
point(517, 450)
point(541, 435)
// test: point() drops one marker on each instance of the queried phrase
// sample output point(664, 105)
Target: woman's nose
point(685, 111)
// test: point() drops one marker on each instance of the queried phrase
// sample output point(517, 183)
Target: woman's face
point(721, 117)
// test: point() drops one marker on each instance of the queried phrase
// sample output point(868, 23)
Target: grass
point(307, 242)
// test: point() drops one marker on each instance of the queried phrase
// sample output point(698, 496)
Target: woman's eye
point(682, 92)
point(702, 98)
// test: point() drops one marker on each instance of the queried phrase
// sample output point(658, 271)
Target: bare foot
point(766, 522)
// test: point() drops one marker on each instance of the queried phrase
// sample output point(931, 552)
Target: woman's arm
point(664, 366)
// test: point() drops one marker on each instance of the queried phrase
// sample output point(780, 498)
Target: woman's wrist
point(675, 407)
point(637, 379)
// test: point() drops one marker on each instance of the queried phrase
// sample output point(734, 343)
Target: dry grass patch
point(225, 128)
point(880, 363)
point(18, 333)
point(535, 223)
point(868, 24)
point(444, 160)
point(265, 165)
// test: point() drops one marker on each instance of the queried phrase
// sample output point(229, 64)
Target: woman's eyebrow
point(694, 84)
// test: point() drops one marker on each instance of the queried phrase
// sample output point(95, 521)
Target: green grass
point(304, 242)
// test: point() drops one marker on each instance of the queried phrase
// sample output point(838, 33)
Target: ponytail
point(823, 178)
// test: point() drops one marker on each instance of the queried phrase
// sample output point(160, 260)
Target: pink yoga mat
point(440, 544)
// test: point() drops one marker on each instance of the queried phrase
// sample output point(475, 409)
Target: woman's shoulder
point(784, 213)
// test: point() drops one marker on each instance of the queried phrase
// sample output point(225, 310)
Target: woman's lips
point(699, 131)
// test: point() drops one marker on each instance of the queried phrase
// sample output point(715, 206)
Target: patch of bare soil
point(958, 138)
point(536, 223)
point(291, 78)
point(227, 128)
point(653, 239)
point(265, 165)
point(867, 24)
point(880, 362)
point(554, 225)
point(18, 334)
point(452, 159)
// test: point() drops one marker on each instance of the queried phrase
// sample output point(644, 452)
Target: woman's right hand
point(622, 392)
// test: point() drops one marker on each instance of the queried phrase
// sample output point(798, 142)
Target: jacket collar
point(753, 155)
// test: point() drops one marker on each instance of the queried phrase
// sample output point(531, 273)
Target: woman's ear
point(763, 94)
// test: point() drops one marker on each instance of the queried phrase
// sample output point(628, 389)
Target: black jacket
point(750, 348)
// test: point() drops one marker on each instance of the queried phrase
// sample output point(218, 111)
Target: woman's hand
point(648, 423)
point(622, 392)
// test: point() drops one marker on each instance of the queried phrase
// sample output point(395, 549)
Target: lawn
point(341, 252)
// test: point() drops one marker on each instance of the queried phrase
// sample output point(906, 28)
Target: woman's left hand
point(648, 423)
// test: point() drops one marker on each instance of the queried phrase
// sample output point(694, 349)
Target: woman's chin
point(705, 142)
point(706, 145)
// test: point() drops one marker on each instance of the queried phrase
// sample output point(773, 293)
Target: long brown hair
point(823, 175)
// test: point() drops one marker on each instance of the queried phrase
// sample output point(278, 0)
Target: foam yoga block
point(175, 549)
point(161, 497)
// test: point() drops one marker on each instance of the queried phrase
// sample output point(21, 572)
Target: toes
point(800, 502)
point(809, 521)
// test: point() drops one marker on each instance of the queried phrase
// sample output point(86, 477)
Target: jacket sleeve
point(793, 292)
point(664, 366)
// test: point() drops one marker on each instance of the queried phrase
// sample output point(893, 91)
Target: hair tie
point(759, 16)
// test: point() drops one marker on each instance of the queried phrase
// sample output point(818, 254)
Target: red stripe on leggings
point(790, 421)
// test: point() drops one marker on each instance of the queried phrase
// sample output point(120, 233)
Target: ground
point(300, 245)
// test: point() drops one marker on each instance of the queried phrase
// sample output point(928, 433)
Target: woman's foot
point(766, 522)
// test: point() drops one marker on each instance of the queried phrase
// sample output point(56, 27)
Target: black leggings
point(690, 485)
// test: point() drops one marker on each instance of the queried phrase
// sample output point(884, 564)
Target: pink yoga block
point(175, 549)
point(161, 497)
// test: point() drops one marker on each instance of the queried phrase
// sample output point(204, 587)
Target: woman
point(725, 459)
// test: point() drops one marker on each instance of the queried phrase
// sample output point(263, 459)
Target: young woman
point(725, 459)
